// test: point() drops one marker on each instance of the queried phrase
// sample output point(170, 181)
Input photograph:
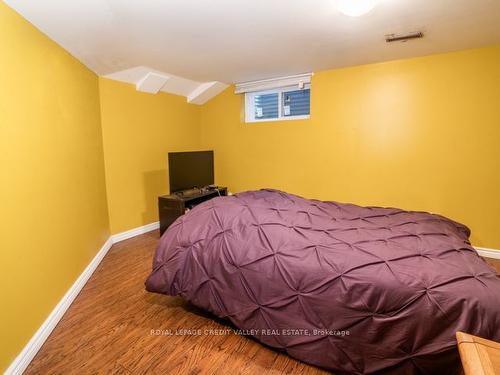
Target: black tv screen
point(189, 170)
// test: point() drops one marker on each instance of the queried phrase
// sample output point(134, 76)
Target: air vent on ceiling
point(403, 37)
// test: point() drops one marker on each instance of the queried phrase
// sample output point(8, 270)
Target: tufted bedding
point(351, 289)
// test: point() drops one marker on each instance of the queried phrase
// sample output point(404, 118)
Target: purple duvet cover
point(351, 289)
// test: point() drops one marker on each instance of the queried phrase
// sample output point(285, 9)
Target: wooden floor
point(495, 263)
point(107, 330)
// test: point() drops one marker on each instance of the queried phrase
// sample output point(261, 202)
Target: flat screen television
point(188, 170)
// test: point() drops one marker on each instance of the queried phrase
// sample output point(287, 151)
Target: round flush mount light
point(355, 8)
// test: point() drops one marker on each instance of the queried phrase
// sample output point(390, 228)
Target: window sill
point(292, 118)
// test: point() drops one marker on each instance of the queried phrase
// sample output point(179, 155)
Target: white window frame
point(250, 104)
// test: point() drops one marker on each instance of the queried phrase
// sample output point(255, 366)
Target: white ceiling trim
point(152, 81)
point(205, 92)
point(273, 83)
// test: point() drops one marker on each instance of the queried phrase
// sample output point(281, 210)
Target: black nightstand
point(170, 207)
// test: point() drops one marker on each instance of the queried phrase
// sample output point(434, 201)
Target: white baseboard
point(28, 353)
point(135, 232)
point(488, 253)
point(24, 358)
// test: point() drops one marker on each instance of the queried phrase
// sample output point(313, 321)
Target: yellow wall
point(139, 130)
point(421, 134)
point(52, 192)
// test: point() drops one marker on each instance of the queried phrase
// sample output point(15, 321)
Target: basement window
point(285, 103)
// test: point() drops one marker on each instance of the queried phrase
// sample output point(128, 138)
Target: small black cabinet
point(170, 207)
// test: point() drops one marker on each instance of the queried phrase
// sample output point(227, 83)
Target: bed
point(351, 289)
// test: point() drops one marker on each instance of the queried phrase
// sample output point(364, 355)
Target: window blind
point(296, 103)
point(273, 83)
point(266, 106)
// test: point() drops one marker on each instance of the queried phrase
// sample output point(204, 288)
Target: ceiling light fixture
point(355, 8)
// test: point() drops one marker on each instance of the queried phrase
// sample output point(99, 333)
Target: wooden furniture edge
point(473, 354)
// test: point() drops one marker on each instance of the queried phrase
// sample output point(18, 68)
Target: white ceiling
point(240, 40)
